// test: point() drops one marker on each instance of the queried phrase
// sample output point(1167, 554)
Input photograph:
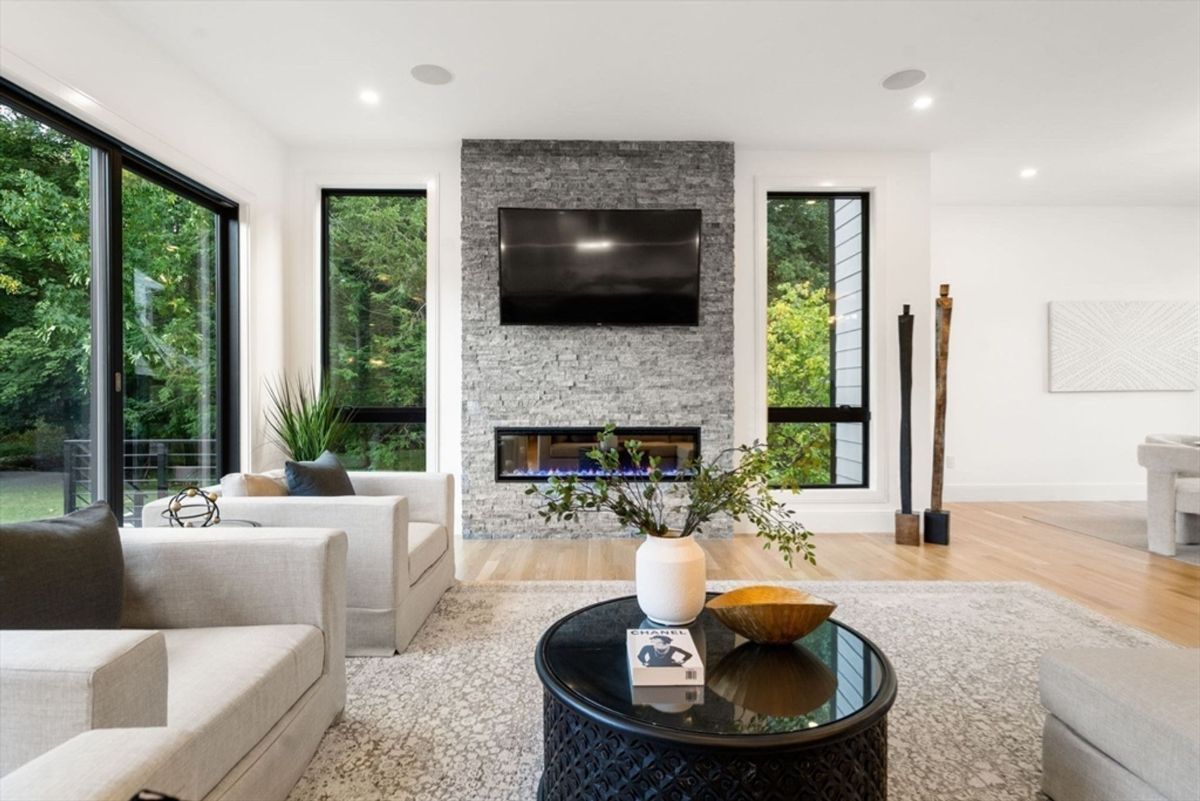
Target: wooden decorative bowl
point(771, 615)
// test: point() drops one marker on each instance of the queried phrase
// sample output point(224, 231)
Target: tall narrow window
point(817, 401)
point(118, 320)
point(374, 307)
point(45, 320)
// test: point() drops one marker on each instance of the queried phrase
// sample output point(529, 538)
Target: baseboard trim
point(844, 520)
point(1045, 492)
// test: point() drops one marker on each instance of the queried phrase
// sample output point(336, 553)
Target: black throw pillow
point(324, 477)
point(62, 573)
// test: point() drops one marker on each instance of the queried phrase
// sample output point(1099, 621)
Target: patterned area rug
point(457, 717)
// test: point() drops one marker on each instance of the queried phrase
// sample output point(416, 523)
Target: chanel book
point(663, 658)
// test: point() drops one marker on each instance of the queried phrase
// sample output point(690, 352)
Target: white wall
point(1009, 438)
point(899, 273)
point(436, 171)
point(83, 58)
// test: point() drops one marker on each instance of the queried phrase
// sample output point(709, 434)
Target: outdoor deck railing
point(152, 469)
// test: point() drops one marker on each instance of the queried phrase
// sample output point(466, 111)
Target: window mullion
point(228, 326)
point(107, 341)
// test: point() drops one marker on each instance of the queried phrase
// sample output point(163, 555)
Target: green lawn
point(29, 495)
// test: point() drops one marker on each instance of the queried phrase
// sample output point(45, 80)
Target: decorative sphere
point(193, 508)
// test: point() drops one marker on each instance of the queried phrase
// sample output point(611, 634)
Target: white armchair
point(1172, 463)
point(400, 528)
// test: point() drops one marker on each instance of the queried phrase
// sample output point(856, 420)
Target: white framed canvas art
point(1124, 346)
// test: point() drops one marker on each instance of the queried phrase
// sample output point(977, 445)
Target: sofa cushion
point(426, 544)
point(109, 764)
point(1137, 705)
point(323, 477)
point(62, 573)
point(228, 686)
point(254, 485)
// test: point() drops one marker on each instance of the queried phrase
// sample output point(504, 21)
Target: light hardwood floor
point(989, 542)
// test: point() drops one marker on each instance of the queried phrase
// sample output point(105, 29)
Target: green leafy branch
point(743, 492)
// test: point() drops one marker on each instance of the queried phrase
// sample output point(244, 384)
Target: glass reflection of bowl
point(779, 680)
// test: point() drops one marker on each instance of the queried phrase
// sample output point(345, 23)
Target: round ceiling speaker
point(904, 79)
point(432, 74)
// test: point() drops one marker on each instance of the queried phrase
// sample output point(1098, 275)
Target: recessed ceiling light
point(432, 74)
point(369, 96)
point(1029, 172)
point(827, 183)
point(904, 79)
point(923, 102)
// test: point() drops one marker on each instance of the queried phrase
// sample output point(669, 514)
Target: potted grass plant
point(670, 565)
point(306, 419)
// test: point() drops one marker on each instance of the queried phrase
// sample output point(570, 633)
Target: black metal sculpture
point(192, 507)
point(937, 520)
point(908, 525)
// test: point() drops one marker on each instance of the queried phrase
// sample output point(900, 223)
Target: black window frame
point(371, 414)
point(838, 413)
point(110, 158)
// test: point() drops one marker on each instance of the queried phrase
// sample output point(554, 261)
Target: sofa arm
point(57, 684)
point(430, 495)
point(107, 765)
point(1159, 458)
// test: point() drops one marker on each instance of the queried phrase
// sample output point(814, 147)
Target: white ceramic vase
point(669, 573)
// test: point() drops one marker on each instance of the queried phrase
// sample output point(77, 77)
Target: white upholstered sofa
point(1172, 463)
point(400, 531)
point(228, 671)
point(1122, 724)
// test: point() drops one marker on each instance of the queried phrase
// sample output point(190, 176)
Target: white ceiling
point(1104, 98)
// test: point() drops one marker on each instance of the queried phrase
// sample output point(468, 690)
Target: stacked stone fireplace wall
point(588, 375)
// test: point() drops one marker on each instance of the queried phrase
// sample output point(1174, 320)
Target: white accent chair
point(230, 668)
point(1172, 463)
point(400, 529)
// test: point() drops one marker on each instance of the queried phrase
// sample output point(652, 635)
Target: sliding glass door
point(118, 303)
point(169, 321)
point(46, 430)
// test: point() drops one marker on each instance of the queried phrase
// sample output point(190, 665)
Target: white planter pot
point(669, 573)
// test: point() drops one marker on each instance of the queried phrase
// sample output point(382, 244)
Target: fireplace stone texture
point(519, 376)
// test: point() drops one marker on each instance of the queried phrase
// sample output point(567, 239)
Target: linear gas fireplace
point(532, 454)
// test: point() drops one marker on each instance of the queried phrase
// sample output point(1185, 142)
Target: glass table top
point(749, 689)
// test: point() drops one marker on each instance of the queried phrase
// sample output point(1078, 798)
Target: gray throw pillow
point(62, 573)
point(324, 477)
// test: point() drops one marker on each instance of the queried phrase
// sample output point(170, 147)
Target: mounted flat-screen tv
point(599, 267)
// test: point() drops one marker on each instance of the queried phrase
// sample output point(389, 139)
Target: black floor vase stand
point(937, 520)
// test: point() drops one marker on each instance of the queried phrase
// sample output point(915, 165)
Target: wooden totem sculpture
point(937, 520)
point(908, 525)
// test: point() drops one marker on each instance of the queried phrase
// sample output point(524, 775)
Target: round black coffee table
point(807, 721)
